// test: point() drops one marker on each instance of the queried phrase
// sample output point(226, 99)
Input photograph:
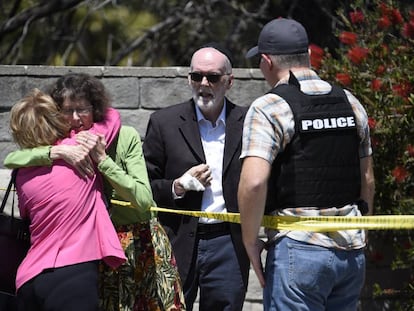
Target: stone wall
point(137, 92)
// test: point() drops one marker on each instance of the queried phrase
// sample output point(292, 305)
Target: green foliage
point(374, 61)
point(145, 32)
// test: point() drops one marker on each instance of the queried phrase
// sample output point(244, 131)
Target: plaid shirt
point(269, 127)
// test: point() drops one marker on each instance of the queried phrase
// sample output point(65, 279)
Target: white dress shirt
point(213, 138)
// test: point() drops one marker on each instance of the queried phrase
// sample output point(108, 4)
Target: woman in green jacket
point(149, 279)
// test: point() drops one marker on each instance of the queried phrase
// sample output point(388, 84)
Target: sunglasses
point(212, 78)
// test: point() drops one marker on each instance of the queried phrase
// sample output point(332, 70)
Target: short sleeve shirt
point(269, 127)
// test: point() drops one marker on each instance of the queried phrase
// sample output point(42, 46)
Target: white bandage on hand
point(189, 182)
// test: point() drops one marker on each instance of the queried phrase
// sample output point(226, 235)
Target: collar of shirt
point(310, 82)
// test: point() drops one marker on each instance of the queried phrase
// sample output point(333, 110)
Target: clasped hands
point(89, 150)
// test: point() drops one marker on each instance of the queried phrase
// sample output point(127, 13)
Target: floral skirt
point(149, 280)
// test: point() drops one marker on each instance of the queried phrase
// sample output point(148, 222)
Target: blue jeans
point(304, 277)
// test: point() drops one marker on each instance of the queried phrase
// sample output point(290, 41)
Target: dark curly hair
point(77, 86)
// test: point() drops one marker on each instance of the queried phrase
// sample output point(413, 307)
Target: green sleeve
point(127, 174)
point(38, 156)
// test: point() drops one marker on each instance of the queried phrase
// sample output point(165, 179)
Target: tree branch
point(36, 12)
point(170, 22)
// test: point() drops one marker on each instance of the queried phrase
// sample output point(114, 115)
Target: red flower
point(371, 123)
point(408, 30)
point(410, 150)
point(396, 17)
point(316, 55)
point(356, 17)
point(400, 174)
point(385, 10)
point(380, 70)
point(347, 37)
point(343, 78)
point(391, 14)
point(376, 84)
point(357, 54)
point(384, 22)
point(402, 90)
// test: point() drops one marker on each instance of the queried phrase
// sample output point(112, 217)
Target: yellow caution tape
point(307, 223)
point(4, 189)
point(121, 203)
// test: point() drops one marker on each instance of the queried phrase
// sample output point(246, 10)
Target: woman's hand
point(96, 144)
point(77, 156)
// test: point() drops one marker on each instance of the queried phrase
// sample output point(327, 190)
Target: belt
point(206, 231)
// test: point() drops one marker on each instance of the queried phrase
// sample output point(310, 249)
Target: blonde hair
point(36, 121)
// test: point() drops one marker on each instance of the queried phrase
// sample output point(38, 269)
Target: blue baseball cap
point(281, 36)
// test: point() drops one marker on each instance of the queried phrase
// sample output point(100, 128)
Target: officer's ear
point(267, 60)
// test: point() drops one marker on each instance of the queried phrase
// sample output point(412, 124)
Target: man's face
point(78, 114)
point(209, 79)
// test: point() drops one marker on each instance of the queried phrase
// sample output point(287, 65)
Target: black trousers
point(7, 302)
point(69, 288)
point(216, 274)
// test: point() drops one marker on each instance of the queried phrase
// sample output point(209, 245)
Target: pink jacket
point(69, 219)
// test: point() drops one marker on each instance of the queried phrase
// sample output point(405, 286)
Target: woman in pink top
point(70, 226)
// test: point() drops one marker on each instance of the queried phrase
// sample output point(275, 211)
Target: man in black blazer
point(192, 153)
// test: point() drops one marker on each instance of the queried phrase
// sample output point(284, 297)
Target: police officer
point(306, 152)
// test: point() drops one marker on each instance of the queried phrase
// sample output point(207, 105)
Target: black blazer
point(172, 145)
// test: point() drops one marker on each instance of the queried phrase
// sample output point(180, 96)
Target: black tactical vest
point(320, 166)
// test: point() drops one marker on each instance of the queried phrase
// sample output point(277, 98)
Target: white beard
point(203, 104)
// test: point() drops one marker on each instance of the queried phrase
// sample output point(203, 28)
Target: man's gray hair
point(291, 60)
